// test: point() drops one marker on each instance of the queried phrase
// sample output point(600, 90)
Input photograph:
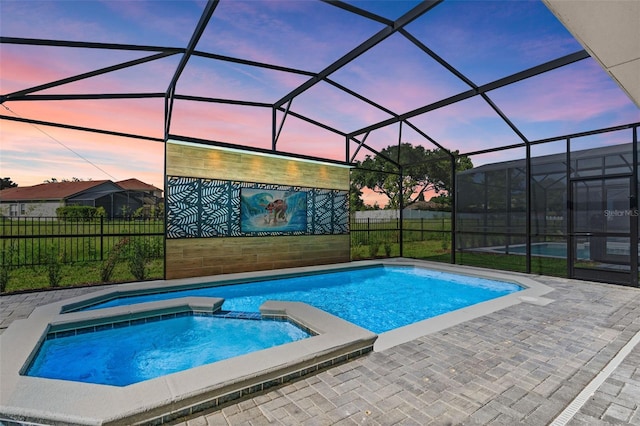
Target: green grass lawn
point(32, 242)
point(44, 253)
point(438, 251)
point(423, 239)
point(80, 274)
point(36, 277)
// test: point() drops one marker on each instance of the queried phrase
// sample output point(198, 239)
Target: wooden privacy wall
point(203, 187)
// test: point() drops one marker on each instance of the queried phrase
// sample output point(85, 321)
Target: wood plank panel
point(228, 255)
point(213, 163)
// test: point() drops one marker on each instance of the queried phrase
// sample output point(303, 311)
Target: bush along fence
point(39, 241)
point(377, 235)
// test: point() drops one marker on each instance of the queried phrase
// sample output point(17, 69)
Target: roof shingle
point(48, 191)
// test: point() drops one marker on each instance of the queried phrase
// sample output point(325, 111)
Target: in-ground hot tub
point(165, 398)
point(121, 352)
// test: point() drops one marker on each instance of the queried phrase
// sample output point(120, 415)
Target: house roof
point(136, 185)
point(556, 160)
point(48, 191)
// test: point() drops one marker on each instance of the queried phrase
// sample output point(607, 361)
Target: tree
point(73, 179)
point(442, 202)
point(423, 170)
point(355, 198)
point(7, 183)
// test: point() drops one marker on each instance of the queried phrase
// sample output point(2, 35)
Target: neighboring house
point(148, 195)
point(137, 185)
point(43, 200)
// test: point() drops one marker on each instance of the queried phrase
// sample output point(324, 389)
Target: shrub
point(356, 251)
point(5, 275)
point(54, 266)
point(445, 241)
point(115, 254)
point(157, 211)
point(139, 213)
point(138, 259)
point(374, 246)
point(387, 248)
point(125, 211)
point(6, 262)
point(76, 212)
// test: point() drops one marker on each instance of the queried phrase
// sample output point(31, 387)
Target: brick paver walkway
point(521, 365)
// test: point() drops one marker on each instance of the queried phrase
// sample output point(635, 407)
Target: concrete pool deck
point(522, 364)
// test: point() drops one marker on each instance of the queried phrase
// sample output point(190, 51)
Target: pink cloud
point(304, 35)
point(466, 126)
point(142, 117)
point(22, 68)
point(30, 66)
point(370, 198)
point(377, 140)
point(32, 154)
point(225, 123)
point(251, 126)
point(226, 80)
point(303, 138)
point(336, 108)
point(399, 76)
point(574, 93)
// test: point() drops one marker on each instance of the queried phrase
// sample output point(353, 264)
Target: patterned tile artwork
point(204, 208)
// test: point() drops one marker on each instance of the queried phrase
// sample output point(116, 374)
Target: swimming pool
point(210, 386)
point(379, 298)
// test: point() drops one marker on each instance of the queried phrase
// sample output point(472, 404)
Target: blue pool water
point(377, 298)
point(125, 355)
point(549, 250)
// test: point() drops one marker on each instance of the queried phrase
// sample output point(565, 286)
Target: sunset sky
point(485, 40)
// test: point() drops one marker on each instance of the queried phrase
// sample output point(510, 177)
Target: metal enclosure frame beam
point(191, 47)
point(381, 35)
point(284, 104)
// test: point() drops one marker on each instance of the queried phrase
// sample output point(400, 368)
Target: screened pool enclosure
point(548, 122)
point(574, 212)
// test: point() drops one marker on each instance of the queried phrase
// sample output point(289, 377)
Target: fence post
point(368, 230)
point(101, 238)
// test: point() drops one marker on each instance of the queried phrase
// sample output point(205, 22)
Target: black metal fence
point(33, 241)
point(367, 231)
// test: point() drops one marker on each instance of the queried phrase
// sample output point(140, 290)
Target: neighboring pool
point(558, 250)
point(380, 298)
point(125, 354)
point(548, 250)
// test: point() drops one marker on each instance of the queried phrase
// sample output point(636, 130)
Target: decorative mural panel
point(265, 210)
point(215, 198)
point(324, 207)
point(183, 202)
point(234, 211)
point(204, 208)
point(340, 215)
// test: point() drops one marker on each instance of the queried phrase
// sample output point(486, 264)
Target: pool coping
point(532, 292)
point(207, 387)
point(176, 395)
